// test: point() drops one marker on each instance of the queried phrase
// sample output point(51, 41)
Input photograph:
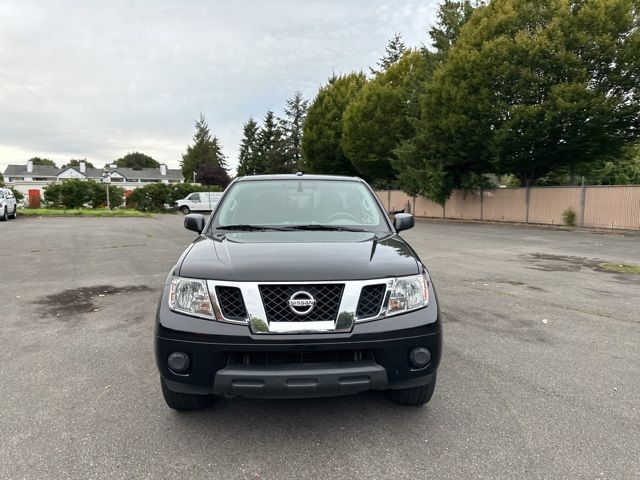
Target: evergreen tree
point(452, 15)
point(415, 174)
point(249, 157)
point(295, 113)
point(383, 114)
point(271, 146)
point(393, 53)
point(206, 150)
point(322, 131)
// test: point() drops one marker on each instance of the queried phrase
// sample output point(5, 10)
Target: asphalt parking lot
point(540, 375)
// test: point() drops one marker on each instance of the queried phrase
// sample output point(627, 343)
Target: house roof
point(38, 171)
point(147, 173)
point(94, 173)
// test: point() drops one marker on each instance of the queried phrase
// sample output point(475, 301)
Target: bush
point(18, 194)
point(53, 196)
point(76, 193)
point(150, 198)
point(99, 195)
point(569, 217)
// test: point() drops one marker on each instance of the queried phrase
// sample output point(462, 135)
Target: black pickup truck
point(297, 286)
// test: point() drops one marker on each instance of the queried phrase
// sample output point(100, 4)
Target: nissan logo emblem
point(301, 303)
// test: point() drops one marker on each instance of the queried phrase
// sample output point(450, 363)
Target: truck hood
point(298, 257)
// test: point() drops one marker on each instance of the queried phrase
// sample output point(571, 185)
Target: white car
point(199, 202)
point(8, 204)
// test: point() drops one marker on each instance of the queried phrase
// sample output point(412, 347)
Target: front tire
point(14, 215)
point(4, 217)
point(186, 210)
point(413, 396)
point(185, 402)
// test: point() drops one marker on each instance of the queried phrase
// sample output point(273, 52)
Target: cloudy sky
point(99, 79)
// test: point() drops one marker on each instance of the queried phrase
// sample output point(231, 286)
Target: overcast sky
point(100, 79)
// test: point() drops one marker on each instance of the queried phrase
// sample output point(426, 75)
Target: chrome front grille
point(275, 298)
point(281, 308)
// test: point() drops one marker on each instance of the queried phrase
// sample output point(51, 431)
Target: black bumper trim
point(300, 381)
point(284, 344)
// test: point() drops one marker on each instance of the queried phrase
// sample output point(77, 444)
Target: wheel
point(14, 215)
point(186, 210)
point(4, 217)
point(413, 396)
point(185, 402)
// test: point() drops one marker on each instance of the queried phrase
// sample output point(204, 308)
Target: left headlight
point(408, 293)
point(191, 297)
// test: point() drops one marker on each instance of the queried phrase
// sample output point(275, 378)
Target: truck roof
point(297, 176)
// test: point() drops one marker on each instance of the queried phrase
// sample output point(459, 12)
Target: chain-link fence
point(601, 206)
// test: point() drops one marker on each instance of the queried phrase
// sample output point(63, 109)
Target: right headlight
point(408, 293)
point(190, 296)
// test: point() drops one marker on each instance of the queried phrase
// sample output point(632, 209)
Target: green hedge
point(153, 197)
point(76, 193)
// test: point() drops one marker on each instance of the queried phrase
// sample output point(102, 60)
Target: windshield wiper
point(288, 228)
point(250, 228)
point(328, 228)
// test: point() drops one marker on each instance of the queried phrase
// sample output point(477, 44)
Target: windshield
point(293, 203)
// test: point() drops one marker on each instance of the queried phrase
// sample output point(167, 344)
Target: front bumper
point(294, 381)
point(214, 347)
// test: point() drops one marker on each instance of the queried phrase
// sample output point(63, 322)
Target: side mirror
point(195, 222)
point(403, 221)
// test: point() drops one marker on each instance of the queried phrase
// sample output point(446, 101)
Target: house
point(35, 177)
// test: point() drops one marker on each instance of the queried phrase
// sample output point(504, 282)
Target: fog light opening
point(178, 362)
point(420, 357)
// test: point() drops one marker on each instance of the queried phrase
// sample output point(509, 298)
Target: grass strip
point(80, 212)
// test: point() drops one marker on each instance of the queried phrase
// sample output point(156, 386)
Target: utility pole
point(106, 179)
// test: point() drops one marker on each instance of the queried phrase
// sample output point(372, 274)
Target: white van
point(198, 202)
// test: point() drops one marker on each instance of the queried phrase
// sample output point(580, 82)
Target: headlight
point(190, 296)
point(408, 293)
